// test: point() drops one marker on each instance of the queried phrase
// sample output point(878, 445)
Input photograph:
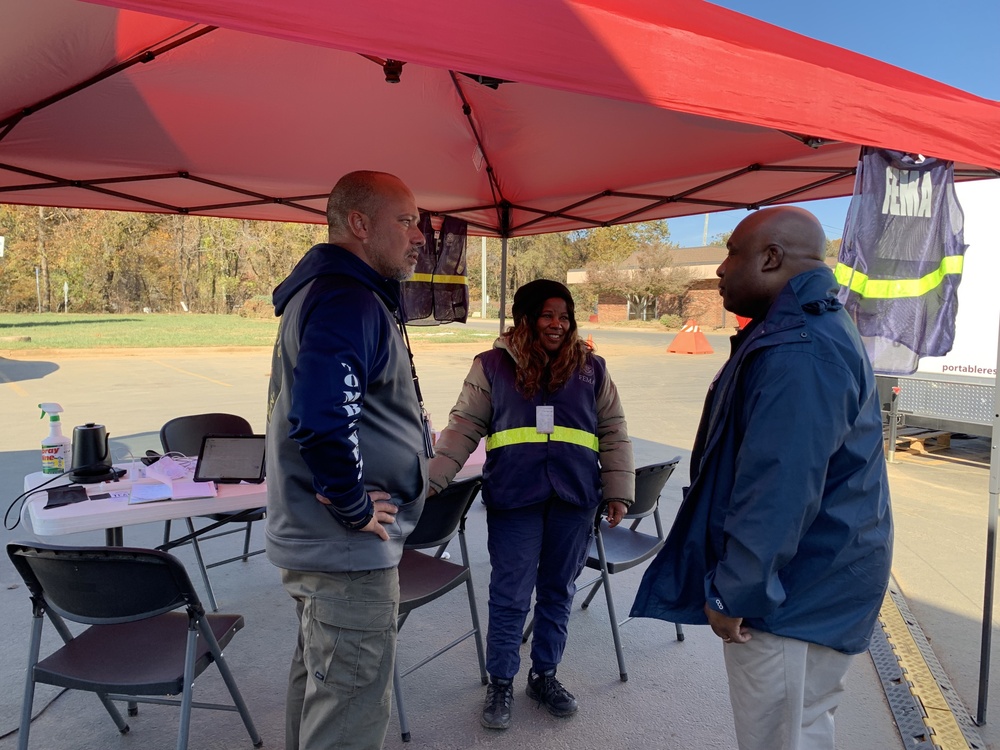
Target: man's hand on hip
point(384, 513)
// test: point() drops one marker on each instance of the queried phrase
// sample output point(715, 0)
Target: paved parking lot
point(676, 695)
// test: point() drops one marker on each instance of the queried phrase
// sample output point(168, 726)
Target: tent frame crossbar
point(652, 201)
point(145, 56)
point(495, 189)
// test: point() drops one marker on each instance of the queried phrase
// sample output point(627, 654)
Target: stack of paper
point(148, 491)
point(169, 484)
point(182, 489)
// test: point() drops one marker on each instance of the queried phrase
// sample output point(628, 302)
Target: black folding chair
point(424, 577)
point(624, 547)
point(184, 435)
point(137, 647)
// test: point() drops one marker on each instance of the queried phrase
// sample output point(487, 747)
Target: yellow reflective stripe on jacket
point(530, 435)
point(439, 278)
point(515, 436)
point(577, 437)
point(859, 283)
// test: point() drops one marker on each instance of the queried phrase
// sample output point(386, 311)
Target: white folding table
point(113, 513)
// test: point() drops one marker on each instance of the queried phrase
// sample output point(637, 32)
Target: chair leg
point(397, 688)
point(202, 568)
point(680, 631)
point(116, 716)
point(227, 677)
point(29, 682)
point(246, 541)
point(187, 697)
point(527, 630)
point(606, 579)
point(479, 632)
point(593, 592)
point(166, 531)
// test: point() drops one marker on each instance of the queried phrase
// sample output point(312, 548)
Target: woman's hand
point(616, 512)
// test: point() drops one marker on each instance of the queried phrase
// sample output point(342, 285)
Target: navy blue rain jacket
point(786, 522)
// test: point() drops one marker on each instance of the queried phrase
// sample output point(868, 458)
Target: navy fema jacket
point(786, 522)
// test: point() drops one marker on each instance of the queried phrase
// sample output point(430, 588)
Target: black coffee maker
point(91, 455)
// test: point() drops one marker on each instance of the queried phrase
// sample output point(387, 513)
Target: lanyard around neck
point(428, 442)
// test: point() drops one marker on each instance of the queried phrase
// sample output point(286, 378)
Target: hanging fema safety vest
point(901, 258)
point(438, 291)
point(524, 466)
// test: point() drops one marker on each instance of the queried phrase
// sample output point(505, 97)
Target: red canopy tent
point(520, 117)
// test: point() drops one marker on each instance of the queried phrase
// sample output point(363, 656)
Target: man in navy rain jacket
point(783, 542)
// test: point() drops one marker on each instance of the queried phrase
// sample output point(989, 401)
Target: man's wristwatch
point(359, 524)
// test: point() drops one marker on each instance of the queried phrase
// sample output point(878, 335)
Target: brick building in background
point(701, 303)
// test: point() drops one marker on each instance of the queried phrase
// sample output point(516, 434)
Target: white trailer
point(954, 393)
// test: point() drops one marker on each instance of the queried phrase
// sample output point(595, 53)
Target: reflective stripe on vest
point(531, 435)
point(859, 283)
point(438, 278)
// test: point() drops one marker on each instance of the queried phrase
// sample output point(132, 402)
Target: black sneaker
point(549, 692)
point(496, 710)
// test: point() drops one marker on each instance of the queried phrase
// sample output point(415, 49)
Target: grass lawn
point(93, 331)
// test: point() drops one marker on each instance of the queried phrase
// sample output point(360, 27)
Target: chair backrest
point(184, 434)
point(103, 585)
point(443, 514)
point(649, 482)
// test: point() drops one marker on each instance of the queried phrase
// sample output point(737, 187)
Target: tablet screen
point(231, 458)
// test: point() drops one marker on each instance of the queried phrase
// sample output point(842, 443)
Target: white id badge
point(545, 419)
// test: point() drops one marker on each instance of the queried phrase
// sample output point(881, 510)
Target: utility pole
point(704, 234)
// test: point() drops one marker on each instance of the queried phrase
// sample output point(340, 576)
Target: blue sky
point(952, 42)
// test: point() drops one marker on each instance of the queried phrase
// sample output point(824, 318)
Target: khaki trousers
point(340, 682)
point(784, 692)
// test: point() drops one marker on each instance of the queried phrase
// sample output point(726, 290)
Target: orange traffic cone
point(690, 340)
point(590, 341)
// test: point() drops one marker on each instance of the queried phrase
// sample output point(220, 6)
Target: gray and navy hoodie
point(343, 417)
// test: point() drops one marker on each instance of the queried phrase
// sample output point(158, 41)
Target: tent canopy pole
point(991, 548)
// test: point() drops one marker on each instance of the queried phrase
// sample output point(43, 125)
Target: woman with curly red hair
point(557, 447)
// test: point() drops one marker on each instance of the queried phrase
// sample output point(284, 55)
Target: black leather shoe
point(496, 710)
point(549, 692)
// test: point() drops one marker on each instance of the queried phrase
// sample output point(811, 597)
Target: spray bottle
point(56, 447)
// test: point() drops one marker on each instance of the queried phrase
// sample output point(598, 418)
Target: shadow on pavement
point(16, 370)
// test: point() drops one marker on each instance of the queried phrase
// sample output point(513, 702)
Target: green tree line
point(121, 262)
point(631, 261)
point(117, 262)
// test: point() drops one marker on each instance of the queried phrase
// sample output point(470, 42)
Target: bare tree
point(635, 261)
